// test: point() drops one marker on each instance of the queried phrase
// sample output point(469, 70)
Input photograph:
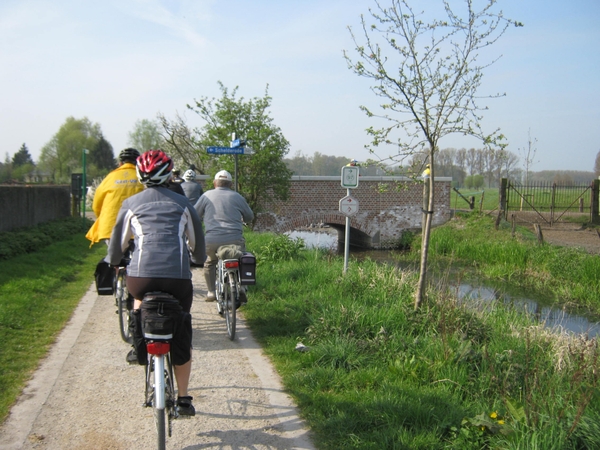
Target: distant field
point(489, 197)
point(573, 199)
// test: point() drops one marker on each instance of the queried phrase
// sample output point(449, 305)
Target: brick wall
point(388, 206)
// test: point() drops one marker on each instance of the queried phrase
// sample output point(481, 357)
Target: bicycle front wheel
point(124, 305)
point(230, 294)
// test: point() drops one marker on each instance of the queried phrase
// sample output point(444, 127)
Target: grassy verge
point(379, 375)
point(569, 277)
point(38, 293)
point(375, 373)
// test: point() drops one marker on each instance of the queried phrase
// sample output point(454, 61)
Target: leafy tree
point(22, 157)
point(146, 135)
point(63, 154)
point(5, 169)
point(474, 181)
point(597, 165)
point(102, 156)
point(323, 165)
point(428, 83)
point(262, 175)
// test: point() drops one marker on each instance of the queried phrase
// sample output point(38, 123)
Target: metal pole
point(347, 239)
point(236, 171)
point(83, 186)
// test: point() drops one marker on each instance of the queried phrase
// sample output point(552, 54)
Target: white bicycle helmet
point(189, 175)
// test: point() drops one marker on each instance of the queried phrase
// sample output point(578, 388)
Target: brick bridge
point(388, 206)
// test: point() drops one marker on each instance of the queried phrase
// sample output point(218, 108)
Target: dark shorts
point(182, 290)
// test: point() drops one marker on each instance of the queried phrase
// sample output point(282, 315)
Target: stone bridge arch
point(388, 207)
point(360, 233)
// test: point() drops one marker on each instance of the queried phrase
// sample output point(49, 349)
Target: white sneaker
point(210, 297)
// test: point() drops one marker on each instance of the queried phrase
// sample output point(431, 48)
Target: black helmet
point(129, 155)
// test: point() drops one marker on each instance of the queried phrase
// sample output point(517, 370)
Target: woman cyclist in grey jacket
point(164, 225)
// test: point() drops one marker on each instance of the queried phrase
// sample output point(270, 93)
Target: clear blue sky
point(119, 61)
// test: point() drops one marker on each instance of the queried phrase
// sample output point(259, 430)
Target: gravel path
point(85, 396)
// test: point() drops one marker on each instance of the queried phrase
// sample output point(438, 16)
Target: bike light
point(158, 348)
point(232, 264)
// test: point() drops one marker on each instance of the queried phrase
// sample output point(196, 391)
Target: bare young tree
point(528, 155)
point(427, 75)
point(180, 144)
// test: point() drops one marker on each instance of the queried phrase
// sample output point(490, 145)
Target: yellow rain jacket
point(118, 185)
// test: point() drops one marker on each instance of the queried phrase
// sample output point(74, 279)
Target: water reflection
point(551, 317)
point(473, 291)
point(325, 238)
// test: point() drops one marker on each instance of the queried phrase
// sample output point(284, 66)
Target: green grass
point(377, 374)
point(38, 293)
point(569, 276)
point(486, 199)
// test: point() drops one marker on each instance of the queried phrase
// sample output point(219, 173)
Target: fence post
point(512, 218)
point(481, 202)
point(552, 202)
point(538, 232)
point(502, 196)
point(595, 216)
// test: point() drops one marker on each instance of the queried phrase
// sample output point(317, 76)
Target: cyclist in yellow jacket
point(118, 185)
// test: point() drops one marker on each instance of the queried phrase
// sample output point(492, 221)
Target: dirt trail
point(85, 396)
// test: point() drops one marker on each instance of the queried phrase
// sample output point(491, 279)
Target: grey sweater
point(163, 224)
point(223, 210)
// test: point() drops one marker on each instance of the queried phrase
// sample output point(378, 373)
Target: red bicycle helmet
point(154, 168)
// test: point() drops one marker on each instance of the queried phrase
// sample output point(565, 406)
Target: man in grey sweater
point(223, 211)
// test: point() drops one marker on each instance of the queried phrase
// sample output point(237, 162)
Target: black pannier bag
point(247, 269)
point(105, 278)
point(161, 316)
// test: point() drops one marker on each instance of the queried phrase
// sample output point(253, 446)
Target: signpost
point(348, 204)
point(238, 147)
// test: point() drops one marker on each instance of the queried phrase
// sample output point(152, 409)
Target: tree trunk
point(427, 219)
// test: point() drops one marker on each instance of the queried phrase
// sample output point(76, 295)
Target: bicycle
point(227, 289)
point(235, 270)
point(160, 388)
point(123, 300)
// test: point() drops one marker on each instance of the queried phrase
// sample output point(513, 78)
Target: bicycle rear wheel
point(230, 294)
point(170, 399)
point(124, 306)
point(159, 403)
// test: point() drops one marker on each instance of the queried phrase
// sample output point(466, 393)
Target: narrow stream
point(551, 317)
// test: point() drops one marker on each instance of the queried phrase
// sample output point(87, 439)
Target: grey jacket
point(163, 224)
point(223, 210)
point(192, 190)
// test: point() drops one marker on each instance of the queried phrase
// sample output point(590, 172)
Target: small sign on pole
point(350, 177)
point(348, 206)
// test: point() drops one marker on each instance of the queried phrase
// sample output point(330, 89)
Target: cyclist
point(164, 225)
point(223, 211)
point(191, 187)
point(118, 185)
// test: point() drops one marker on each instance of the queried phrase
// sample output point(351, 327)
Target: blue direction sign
point(225, 150)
